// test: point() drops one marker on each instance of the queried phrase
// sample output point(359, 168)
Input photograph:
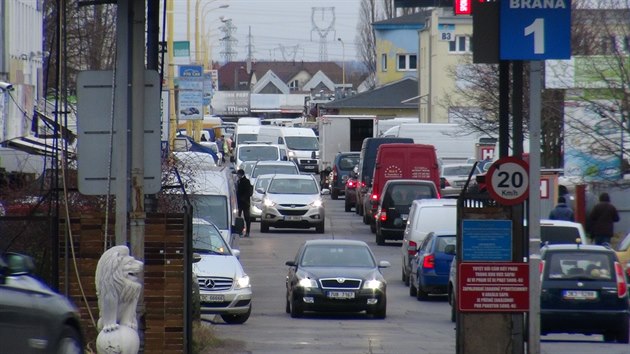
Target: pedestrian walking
point(601, 220)
point(221, 147)
point(562, 211)
point(243, 195)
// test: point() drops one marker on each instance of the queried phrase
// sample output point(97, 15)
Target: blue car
point(431, 265)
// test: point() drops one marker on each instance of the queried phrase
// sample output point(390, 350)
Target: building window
point(383, 62)
point(294, 85)
point(407, 62)
point(461, 44)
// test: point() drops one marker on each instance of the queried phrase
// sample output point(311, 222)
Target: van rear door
point(421, 163)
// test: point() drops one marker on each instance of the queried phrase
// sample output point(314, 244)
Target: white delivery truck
point(452, 143)
point(301, 145)
point(343, 133)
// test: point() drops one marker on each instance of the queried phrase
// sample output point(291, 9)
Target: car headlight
point(291, 154)
point(308, 283)
point(243, 282)
point(373, 284)
point(316, 203)
point(268, 202)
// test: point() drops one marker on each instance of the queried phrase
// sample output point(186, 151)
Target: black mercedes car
point(336, 276)
point(584, 291)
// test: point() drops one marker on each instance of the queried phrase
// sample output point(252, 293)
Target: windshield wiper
point(206, 251)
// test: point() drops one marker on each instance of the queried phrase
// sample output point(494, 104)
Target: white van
point(248, 121)
point(425, 215)
point(258, 152)
point(213, 196)
point(245, 133)
point(301, 144)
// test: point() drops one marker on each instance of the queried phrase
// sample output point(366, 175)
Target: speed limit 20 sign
point(507, 180)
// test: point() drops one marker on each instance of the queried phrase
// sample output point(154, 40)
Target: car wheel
point(287, 308)
point(366, 221)
point(380, 240)
point(373, 227)
point(405, 277)
point(348, 207)
point(320, 228)
point(296, 309)
point(624, 336)
point(381, 311)
point(412, 287)
point(69, 341)
point(334, 194)
point(453, 310)
point(357, 209)
point(264, 227)
point(238, 318)
point(609, 337)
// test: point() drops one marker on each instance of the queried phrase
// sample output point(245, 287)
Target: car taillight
point(541, 268)
point(412, 249)
point(429, 261)
point(374, 197)
point(362, 184)
point(350, 183)
point(383, 215)
point(622, 287)
point(334, 172)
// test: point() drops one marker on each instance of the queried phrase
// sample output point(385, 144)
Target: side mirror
point(290, 263)
point(237, 253)
point(19, 264)
point(450, 250)
point(384, 264)
point(196, 257)
point(239, 224)
point(260, 191)
point(285, 158)
point(442, 182)
point(325, 191)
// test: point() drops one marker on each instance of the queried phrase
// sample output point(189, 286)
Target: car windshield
point(241, 138)
point(405, 194)
point(271, 169)
point(262, 183)
point(347, 163)
point(337, 256)
point(248, 167)
point(578, 265)
point(292, 186)
point(258, 153)
point(437, 218)
point(302, 143)
point(207, 239)
point(558, 234)
point(443, 241)
point(462, 170)
point(212, 208)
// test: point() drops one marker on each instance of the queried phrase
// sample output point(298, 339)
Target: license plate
point(292, 218)
point(404, 217)
point(309, 167)
point(212, 298)
point(340, 294)
point(579, 294)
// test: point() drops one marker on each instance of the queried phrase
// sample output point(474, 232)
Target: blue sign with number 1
point(535, 29)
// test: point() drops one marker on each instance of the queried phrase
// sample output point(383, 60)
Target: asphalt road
point(411, 326)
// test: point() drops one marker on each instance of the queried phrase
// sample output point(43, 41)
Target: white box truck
point(342, 133)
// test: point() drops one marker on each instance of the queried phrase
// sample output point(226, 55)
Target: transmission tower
point(229, 42)
point(288, 51)
point(323, 20)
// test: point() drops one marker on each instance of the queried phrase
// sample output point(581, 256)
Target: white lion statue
point(118, 291)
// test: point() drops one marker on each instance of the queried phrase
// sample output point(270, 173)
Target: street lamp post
point(343, 62)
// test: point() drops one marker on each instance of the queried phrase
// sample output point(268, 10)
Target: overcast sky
point(278, 23)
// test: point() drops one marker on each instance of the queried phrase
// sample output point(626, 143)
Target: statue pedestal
point(123, 340)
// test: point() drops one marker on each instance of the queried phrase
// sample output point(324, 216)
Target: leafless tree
point(366, 42)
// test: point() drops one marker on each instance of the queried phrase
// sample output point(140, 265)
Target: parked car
point(336, 276)
point(293, 201)
point(343, 165)
point(259, 189)
point(425, 215)
point(33, 314)
point(561, 232)
point(584, 291)
point(224, 287)
point(394, 204)
point(453, 177)
point(350, 192)
point(430, 266)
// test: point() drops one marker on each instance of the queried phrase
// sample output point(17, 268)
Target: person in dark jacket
point(601, 220)
point(562, 211)
point(243, 195)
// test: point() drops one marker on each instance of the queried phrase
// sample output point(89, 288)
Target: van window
point(347, 163)
point(405, 194)
point(436, 219)
point(558, 234)
point(258, 153)
point(241, 138)
point(212, 208)
point(307, 143)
